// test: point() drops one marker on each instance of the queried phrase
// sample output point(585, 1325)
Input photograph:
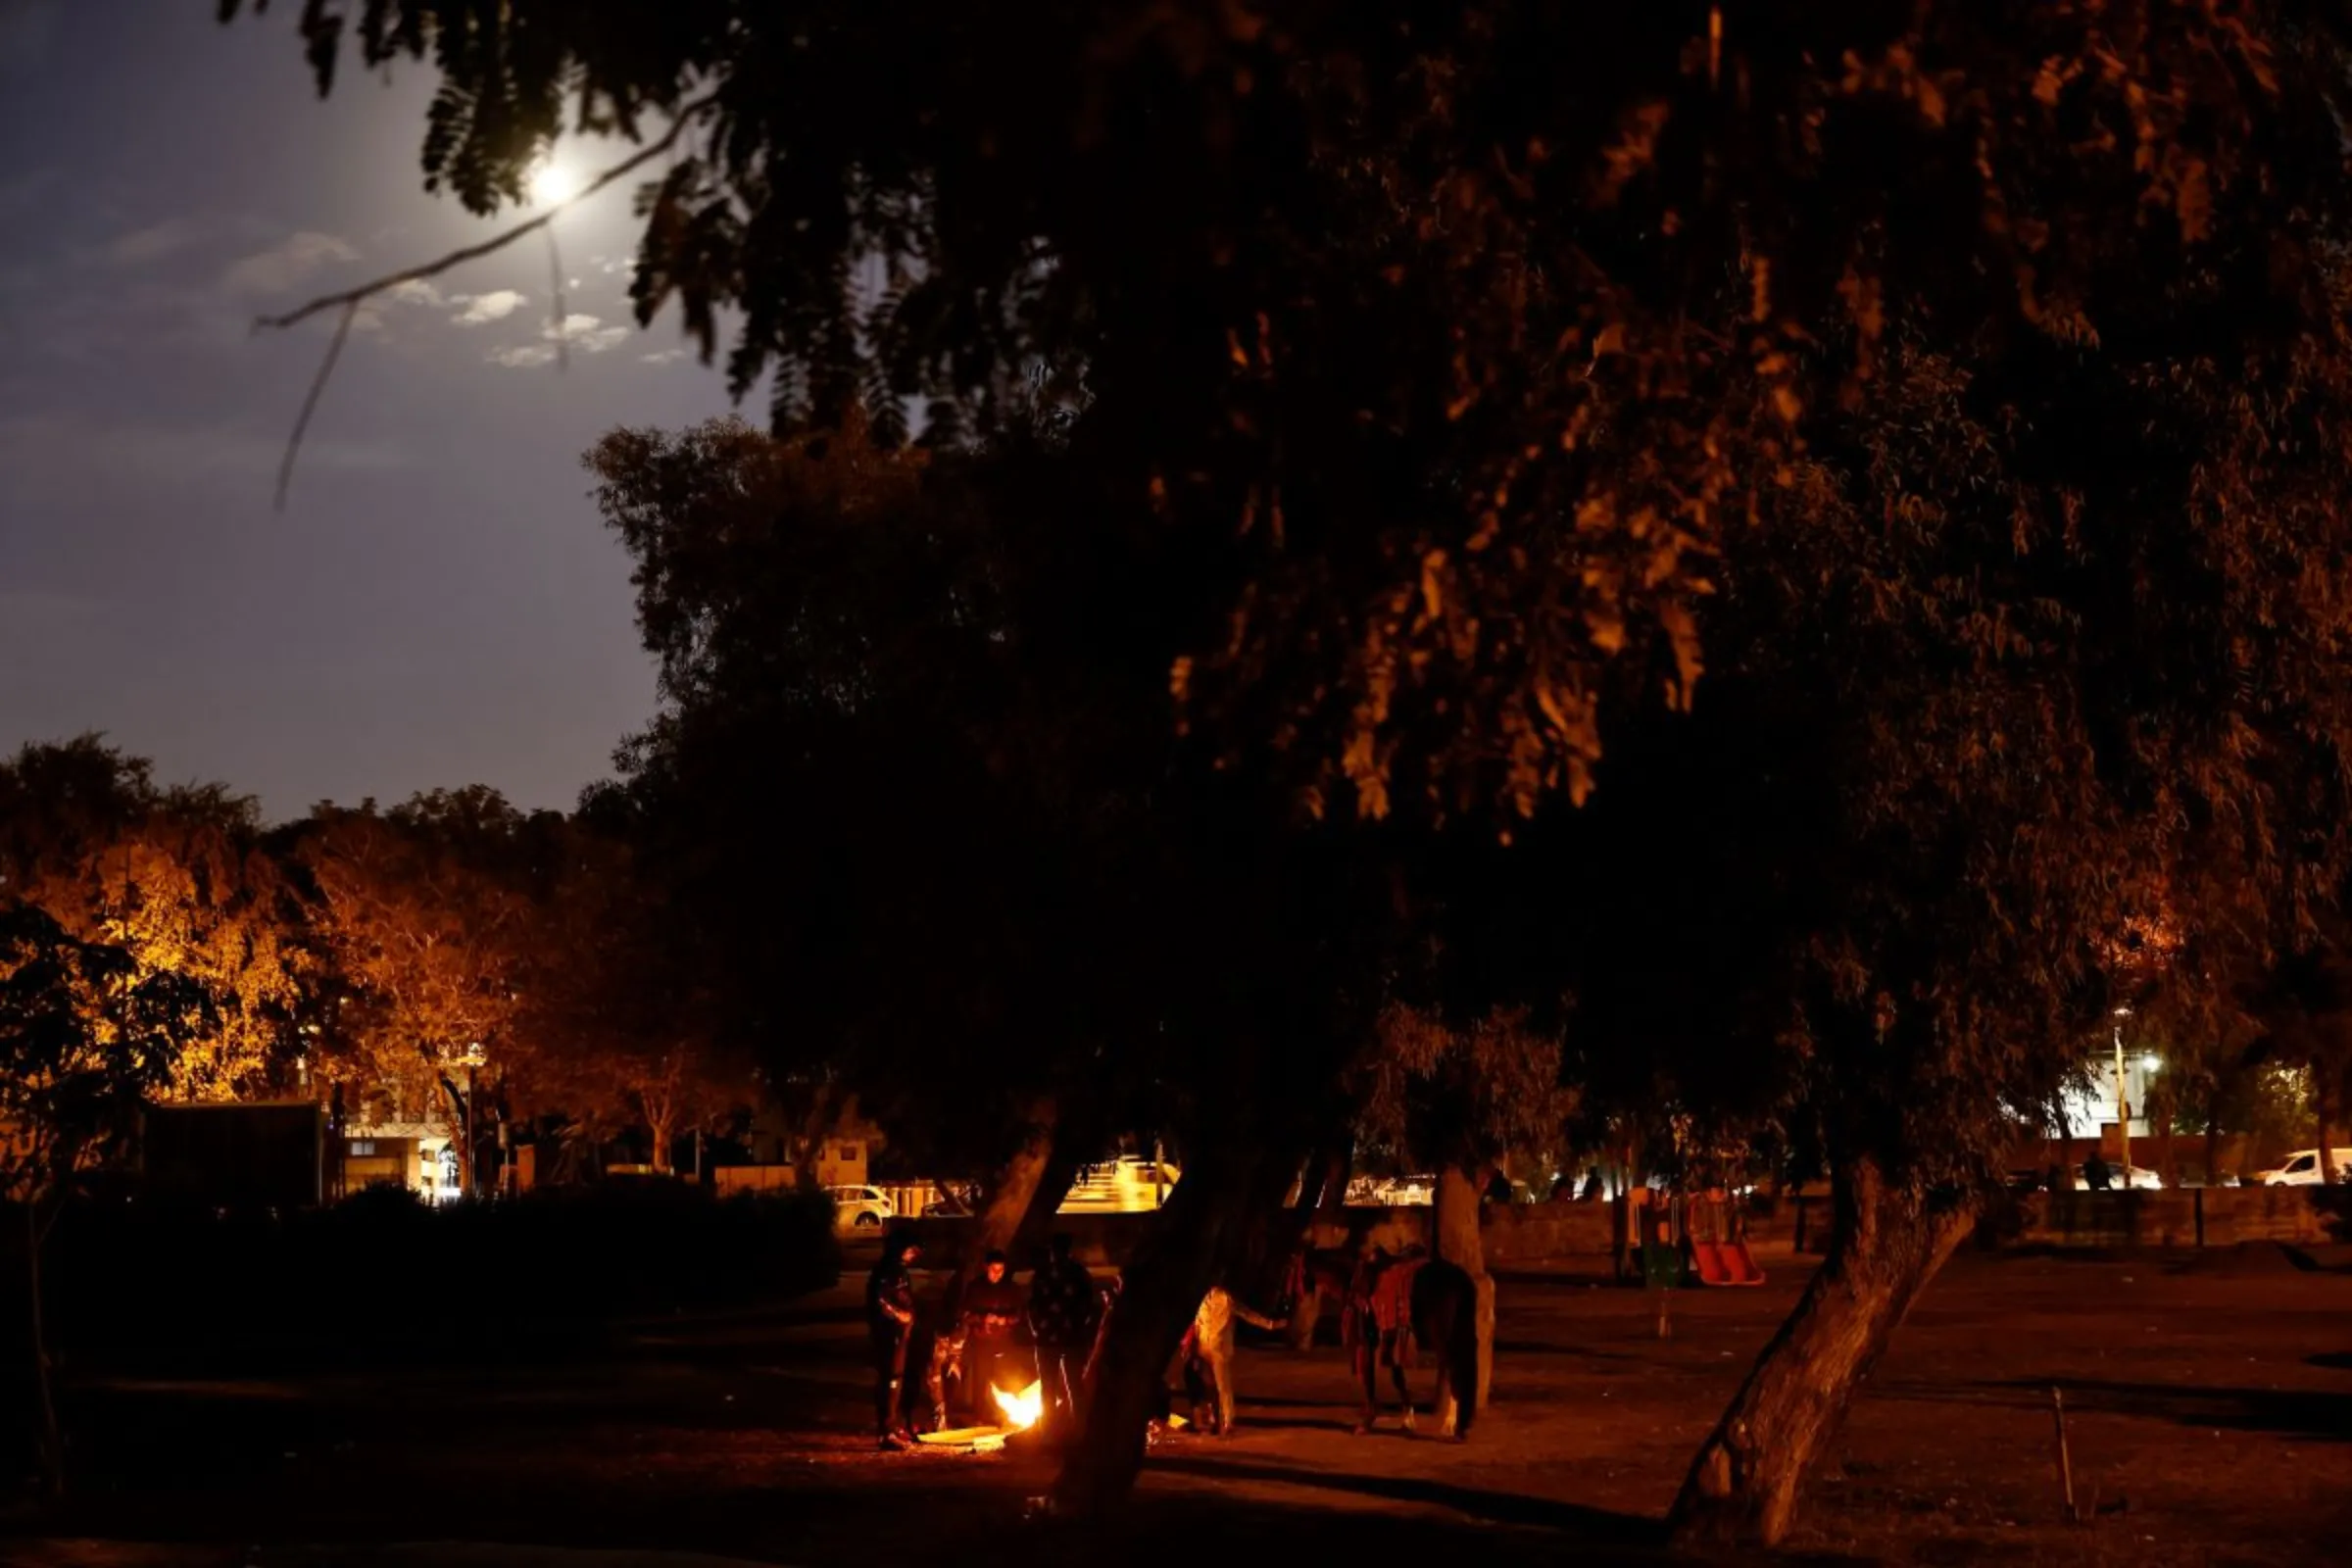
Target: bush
point(382, 1275)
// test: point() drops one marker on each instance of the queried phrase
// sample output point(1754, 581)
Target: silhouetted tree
point(88, 1035)
point(1974, 366)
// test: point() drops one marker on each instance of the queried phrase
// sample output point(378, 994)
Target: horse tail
point(1453, 1314)
point(1462, 1352)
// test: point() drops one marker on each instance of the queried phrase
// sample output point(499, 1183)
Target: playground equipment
point(1718, 1242)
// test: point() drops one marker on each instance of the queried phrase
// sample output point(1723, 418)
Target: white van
point(2302, 1169)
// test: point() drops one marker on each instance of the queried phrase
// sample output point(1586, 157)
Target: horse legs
point(1371, 1370)
point(1448, 1398)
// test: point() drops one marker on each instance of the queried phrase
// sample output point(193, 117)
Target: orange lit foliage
point(179, 879)
point(425, 914)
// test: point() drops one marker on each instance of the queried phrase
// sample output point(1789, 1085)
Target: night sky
point(438, 604)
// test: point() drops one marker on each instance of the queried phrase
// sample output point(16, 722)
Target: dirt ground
point(2209, 1400)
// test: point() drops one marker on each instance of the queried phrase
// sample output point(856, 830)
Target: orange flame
point(1021, 1409)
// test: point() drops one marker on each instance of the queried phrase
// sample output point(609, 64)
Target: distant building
point(416, 1155)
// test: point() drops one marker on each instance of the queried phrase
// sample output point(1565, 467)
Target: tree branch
point(500, 241)
point(349, 300)
point(310, 403)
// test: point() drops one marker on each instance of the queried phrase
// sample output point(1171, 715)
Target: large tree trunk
point(1202, 1231)
point(52, 1433)
point(1887, 1243)
point(1461, 1243)
point(1025, 1196)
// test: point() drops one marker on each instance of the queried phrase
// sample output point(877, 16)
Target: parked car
point(861, 1209)
point(2302, 1169)
point(2137, 1178)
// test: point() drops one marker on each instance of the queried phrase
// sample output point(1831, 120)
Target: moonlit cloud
point(587, 331)
point(524, 357)
point(286, 264)
point(664, 357)
point(495, 305)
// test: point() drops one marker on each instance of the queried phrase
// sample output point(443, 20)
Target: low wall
point(2196, 1216)
point(1521, 1234)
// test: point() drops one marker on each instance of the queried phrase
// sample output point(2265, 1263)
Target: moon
point(552, 182)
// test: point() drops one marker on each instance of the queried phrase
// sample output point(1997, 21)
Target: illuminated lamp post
point(2122, 1105)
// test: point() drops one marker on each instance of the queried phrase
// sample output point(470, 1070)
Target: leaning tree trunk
point(1025, 1196)
point(1887, 1243)
point(52, 1433)
point(1201, 1232)
point(1461, 1243)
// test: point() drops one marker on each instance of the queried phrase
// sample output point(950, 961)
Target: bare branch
point(310, 404)
point(500, 241)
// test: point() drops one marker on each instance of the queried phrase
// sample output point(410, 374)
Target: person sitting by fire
point(1207, 1356)
point(1063, 1311)
point(990, 1312)
point(890, 1324)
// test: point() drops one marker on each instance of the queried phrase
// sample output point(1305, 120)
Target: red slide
point(1725, 1264)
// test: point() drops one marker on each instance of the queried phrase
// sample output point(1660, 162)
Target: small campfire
point(1021, 1409)
point(1020, 1413)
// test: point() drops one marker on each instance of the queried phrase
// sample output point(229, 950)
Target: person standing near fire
point(1063, 1310)
point(890, 1323)
point(990, 1312)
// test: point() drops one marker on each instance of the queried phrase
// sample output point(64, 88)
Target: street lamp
point(2122, 1105)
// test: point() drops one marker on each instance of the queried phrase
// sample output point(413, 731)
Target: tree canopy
point(1883, 463)
point(176, 877)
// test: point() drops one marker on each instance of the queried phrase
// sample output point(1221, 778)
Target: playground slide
point(1725, 1264)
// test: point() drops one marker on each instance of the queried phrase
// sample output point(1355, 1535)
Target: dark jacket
point(991, 1311)
point(890, 1297)
point(1062, 1305)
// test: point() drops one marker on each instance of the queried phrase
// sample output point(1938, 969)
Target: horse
point(1315, 1275)
point(1390, 1306)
